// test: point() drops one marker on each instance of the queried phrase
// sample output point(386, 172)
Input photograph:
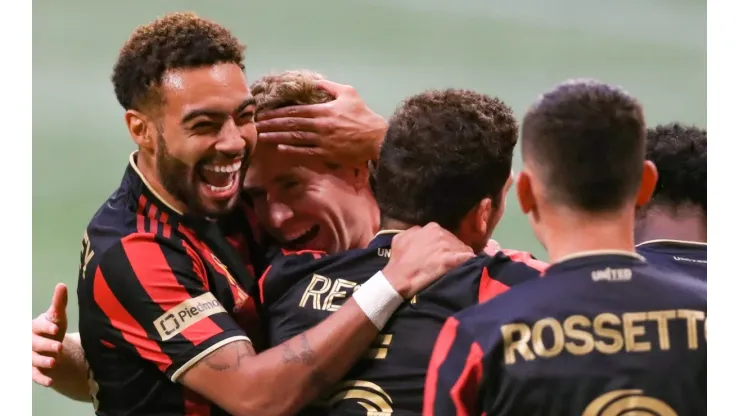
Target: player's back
point(598, 334)
point(680, 256)
point(300, 290)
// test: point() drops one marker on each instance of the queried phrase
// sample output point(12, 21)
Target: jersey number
point(623, 402)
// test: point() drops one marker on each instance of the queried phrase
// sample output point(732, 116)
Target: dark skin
point(684, 223)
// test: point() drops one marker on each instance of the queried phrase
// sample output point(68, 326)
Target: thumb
point(58, 309)
point(333, 88)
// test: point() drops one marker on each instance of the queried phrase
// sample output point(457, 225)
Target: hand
point(48, 330)
point(344, 130)
point(492, 247)
point(420, 255)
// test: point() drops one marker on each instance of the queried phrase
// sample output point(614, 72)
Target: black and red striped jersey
point(599, 334)
point(300, 289)
point(686, 257)
point(155, 295)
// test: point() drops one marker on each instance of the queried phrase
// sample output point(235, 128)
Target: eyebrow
point(213, 113)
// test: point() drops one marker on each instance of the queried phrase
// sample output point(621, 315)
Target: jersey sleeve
point(155, 299)
point(286, 268)
point(455, 373)
point(505, 269)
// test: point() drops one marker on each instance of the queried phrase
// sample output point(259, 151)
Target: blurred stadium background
point(386, 49)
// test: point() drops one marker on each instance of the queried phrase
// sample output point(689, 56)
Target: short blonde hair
point(288, 88)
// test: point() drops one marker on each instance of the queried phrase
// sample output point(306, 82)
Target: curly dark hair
point(288, 88)
point(444, 152)
point(679, 151)
point(175, 41)
point(586, 139)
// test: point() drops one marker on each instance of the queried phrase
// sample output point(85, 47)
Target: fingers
point(42, 326)
point(334, 88)
point(40, 378)
point(41, 361)
point(302, 151)
point(295, 111)
point(43, 345)
point(58, 308)
point(290, 124)
point(291, 138)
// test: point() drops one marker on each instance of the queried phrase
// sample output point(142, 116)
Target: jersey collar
point(147, 185)
point(673, 242)
point(383, 238)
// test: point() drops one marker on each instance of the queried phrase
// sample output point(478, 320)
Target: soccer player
point(602, 332)
point(166, 313)
point(671, 230)
point(446, 158)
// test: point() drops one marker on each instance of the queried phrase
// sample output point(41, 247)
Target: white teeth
point(222, 188)
point(224, 169)
point(296, 235)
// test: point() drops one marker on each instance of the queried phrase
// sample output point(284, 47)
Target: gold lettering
point(691, 318)
point(337, 292)
point(313, 293)
point(662, 317)
point(558, 338)
point(86, 254)
point(512, 345)
point(632, 331)
point(580, 335)
point(608, 333)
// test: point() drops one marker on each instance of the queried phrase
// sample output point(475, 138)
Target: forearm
point(294, 373)
point(70, 372)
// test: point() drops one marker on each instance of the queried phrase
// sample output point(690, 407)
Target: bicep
point(155, 302)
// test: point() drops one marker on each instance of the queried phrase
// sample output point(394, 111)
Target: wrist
point(378, 299)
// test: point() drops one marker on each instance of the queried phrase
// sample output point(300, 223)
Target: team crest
point(240, 296)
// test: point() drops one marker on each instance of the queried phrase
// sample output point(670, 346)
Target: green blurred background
point(386, 49)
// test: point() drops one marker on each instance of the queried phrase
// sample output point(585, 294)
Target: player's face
point(306, 204)
point(206, 137)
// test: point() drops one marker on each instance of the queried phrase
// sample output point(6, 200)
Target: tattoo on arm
point(230, 356)
point(307, 356)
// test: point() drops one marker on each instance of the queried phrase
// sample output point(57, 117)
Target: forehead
point(221, 87)
point(269, 165)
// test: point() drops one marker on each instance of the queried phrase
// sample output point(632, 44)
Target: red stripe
point(526, 258)
point(132, 332)
point(442, 347)
point(152, 219)
point(261, 284)
point(488, 287)
point(316, 253)
point(465, 390)
point(159, 282)
point(166, 228)
point(140, 214)
point(195, 404)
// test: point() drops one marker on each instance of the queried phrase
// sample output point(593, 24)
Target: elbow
point(268, 403)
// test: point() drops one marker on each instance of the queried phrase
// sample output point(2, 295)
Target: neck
point(372, 212)
point(684, 224)
point(391, 224)
point(567, 232)
point(144, 162)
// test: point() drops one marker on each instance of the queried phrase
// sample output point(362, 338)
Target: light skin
point(563, 230)
point(308, 203)
point(205, 122)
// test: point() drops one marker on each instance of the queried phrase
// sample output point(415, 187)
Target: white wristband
point(378, 299)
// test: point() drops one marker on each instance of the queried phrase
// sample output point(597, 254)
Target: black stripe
point(123, 282)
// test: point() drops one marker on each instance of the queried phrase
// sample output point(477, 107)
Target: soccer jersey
point(688, 257)
point(301, 289)
point(599, 334)
point(156, 294)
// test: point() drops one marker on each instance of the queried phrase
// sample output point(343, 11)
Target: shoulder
point(288, 267)
point(512, 267)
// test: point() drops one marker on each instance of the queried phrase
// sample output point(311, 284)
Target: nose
point(230, 141)
point(278, 213)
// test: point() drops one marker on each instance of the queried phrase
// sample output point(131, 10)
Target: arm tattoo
point(306, 356)
point(230, 356)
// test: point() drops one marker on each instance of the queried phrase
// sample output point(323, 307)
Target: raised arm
point(285, 378)
point(58, 361)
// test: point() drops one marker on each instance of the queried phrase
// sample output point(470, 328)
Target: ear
point(361, 177)
point(483, 215)
point(647, 183)
point(524, 192)
point(138, 127)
